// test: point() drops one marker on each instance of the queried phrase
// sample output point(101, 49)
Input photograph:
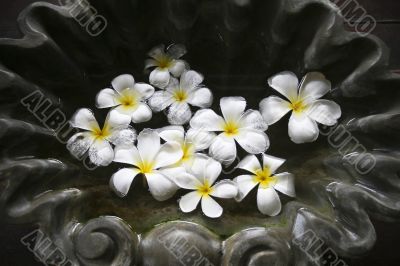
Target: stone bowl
point(68, 54)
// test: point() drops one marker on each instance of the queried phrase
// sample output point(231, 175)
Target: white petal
point(123, 82)
point(205, 168)
point(252, 119)
point(172, 133)
point(325, 112)
point(106, 98)
point(223, 149)
point(285, 184)
point(212, 170)
point(121, 181)
point(178, 67)
point(119, 116)
point(173, 172)
point(207, 120)
point(159, 77)
point(201, 97)
point(121, 136)
point(268, 201)
point(179, 113)
point(232, 107)
point(302, 129)
point(161, 187)
point(199, 166)
point(200, 139)
point(160, 100)
point(253, 141)
point(142, 113)
point(101, 153)
point(272, 162)
point(245, 183)
point(187, 181)
point(249, 163)
point(144, 90)
point(273, 109)
point(126, 110)
point(80, 143)
point(128, 155)
point(148, 63)
point(181, 177)
point(286, 83)
point(157, 52)
point(188, 163)
point(148, 144)
point(190, 80)
point(190, 201)
point(173, 85)
point(168, 154)
point(176, 50)
point(210, 207)
point(84, 119)
point(313, 86)
point(225, 189)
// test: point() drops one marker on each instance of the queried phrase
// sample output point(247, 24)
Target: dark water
point(237, 46)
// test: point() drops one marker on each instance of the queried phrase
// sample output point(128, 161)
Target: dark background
point(385, 252)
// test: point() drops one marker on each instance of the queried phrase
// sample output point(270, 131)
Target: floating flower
point(191, 143)
point(165, 63)
point(304, 102)
point(201, 179)
point(128, 99)
point(179, 94)
point(268, 201)
point(151, 159)
point(247, 128)
point(97, 140)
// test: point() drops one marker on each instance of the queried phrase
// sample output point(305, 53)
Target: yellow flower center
point(188, 151)
point(164, 62)
point(231, 128)
point(146, 167)
point(297, 106)
point(205, 189)
point(180, 95)
point(101, 134)
point(264, 178)
point(127, 98)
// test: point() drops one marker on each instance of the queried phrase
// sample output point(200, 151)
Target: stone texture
point(236, 49)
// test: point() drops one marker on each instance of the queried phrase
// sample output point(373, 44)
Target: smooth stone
point(180, 243)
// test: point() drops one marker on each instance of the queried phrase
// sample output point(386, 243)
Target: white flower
point(153, 161)
point(247, 128)
point(165, 63)
point(190, 143)
point(128, 99)
point(97, 140)
point(268, 201)
point(201, 178)
point(305, 103)
point(179, 94)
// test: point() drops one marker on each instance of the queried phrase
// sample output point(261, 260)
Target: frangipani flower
point(153, 161)
point(201, 178)
point(97, 140)
point(264, 177)
point(179, 94)
point(247, 128)
point(304, 102)
point(165, 63)
point(128, 98)
point(191, 143)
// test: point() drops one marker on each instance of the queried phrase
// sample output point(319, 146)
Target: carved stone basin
point(237, 45)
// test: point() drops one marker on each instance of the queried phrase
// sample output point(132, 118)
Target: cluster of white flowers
point(176, 156)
